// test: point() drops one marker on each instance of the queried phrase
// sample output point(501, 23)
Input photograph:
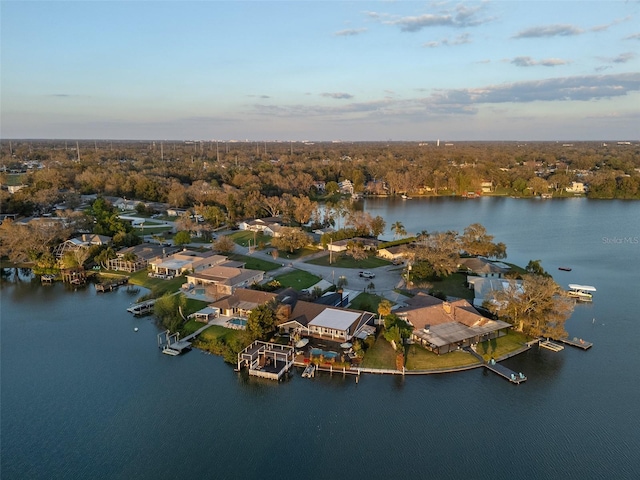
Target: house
point(220, 280)
point(185, 261)
point(241, 302)
point(576, 187)
point(486, 187)
point(82, 242)
point(176, 212)
point(481, 267)
point(394, 254)
point(346, 187)
point(268, 226)
point(442, 326)
point(338, 324)
point(483, 286)
point(341, 245)
point(133, 259)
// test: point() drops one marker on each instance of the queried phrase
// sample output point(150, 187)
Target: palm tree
point(398, 229)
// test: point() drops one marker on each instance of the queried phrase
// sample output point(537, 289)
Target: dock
point(112, 285)
point(170, 344)
point(576, 342)
point(142, 308)
point(506, 373)
point(549, 345)
point(266, 360)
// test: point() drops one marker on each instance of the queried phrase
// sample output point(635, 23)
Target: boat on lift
point(583, 293)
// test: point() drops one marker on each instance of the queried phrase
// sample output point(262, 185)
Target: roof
point(335, 319)
point(454, 332)
point(225, 275)
point(243, 296)
point(482, 265)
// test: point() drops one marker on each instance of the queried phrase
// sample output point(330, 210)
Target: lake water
point(84, 396)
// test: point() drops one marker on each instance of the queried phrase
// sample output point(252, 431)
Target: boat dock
point(142, 308)
point(266, 360)
point(549, 345)
point(171, 344)
point(506, 373)
point(576, 342)
point(112, 285)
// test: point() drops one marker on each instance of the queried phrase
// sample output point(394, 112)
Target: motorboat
point(565, 269)
point(581, 292)
point(302, 343)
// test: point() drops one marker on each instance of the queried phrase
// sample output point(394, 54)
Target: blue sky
point(321, 70)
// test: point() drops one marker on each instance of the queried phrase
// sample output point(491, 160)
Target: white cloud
point(350, 32)
point(530, 62)
point(549, 31)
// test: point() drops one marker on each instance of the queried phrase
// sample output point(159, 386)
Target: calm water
point(83, 396)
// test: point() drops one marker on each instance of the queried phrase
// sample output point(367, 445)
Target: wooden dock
point(506, 373)
point(112, 285)
point(576, 342)
point(549, 345)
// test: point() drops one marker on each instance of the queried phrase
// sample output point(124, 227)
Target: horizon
point(358, 71)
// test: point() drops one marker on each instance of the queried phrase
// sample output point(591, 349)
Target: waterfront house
point(185, 261)
point(241, 302)
point(82, 242)
point(442, 326)
point(268, 226)
point(133, 259)
point(221, 280)
point(483, 267)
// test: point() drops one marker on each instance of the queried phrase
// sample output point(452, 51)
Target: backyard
point(342, 260)
point(419, 358)
point(504, 345)
point(380, 355)
point(298, 279)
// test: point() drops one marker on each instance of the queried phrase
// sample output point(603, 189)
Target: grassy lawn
point(298, 279)
point(341, 260)
point(381, 355)
point(454, 286)
point(158, 286)
point(190, 327)
point(498, 347)
point(303, 252)
point(419, 358)
point(253, 263)
point(216, 332)
point(193, 306)
point(366, 301)
point(242, 238)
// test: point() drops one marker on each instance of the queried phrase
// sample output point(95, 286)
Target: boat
point(309, 371)
point(405, 197)
point(565, 269)
point(302, 343)
point(581, 292)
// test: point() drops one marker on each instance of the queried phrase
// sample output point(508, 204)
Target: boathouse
point(266, 360)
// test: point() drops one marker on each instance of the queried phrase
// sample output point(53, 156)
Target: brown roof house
point(443, 327)
point(220, 280)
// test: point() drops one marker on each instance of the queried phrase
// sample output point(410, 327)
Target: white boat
point(405, 197)
point(302, 343)
point(581, 292)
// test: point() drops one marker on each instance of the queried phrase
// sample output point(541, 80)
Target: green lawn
point(254, 263)
point(216, 332)
point(191, 326)
point(454, 286)
point(158, 286)
point(381, 355)
point(303, 252)
point(366, 301)
point(419, 358)
point(342, 260)
point(242, 238)
point(298, 279)
point(498, 347)
point(193, 306)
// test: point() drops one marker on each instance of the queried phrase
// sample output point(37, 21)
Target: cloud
point(350, 32)
point(622, 58)
point(461, 16)
point(337, 95)
point(606, 26)
point(264, 97)
point(634, 36)
point(445, 42)
point(549, 31)
point(530, 62)
point(578, 88)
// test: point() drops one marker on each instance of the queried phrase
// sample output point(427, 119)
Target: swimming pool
point(240, 322)
point(316, 352)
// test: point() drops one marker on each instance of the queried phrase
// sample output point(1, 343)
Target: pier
point(266, 360)
point(142, 308)
point(576, 342)
point(171, 344)
point(112, 285)
point(549, 345)
point(506, 373)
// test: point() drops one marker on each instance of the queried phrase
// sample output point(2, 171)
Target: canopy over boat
point(584, 288)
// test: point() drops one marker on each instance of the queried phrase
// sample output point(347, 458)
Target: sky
point(320, 70)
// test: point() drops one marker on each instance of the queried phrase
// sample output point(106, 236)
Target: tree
point(441, 251)
point(291, 239)
point(356, 250)
point(261, 321)
point(537, 306)
point(534, 267)
point(398, 229)
point(377, 226)
point(384, 308)
point(167, 310)
point(303, 209)
point(476, 241)
point(182, 238)
point(224, 244)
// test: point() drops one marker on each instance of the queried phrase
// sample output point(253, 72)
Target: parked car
point(366, 274)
